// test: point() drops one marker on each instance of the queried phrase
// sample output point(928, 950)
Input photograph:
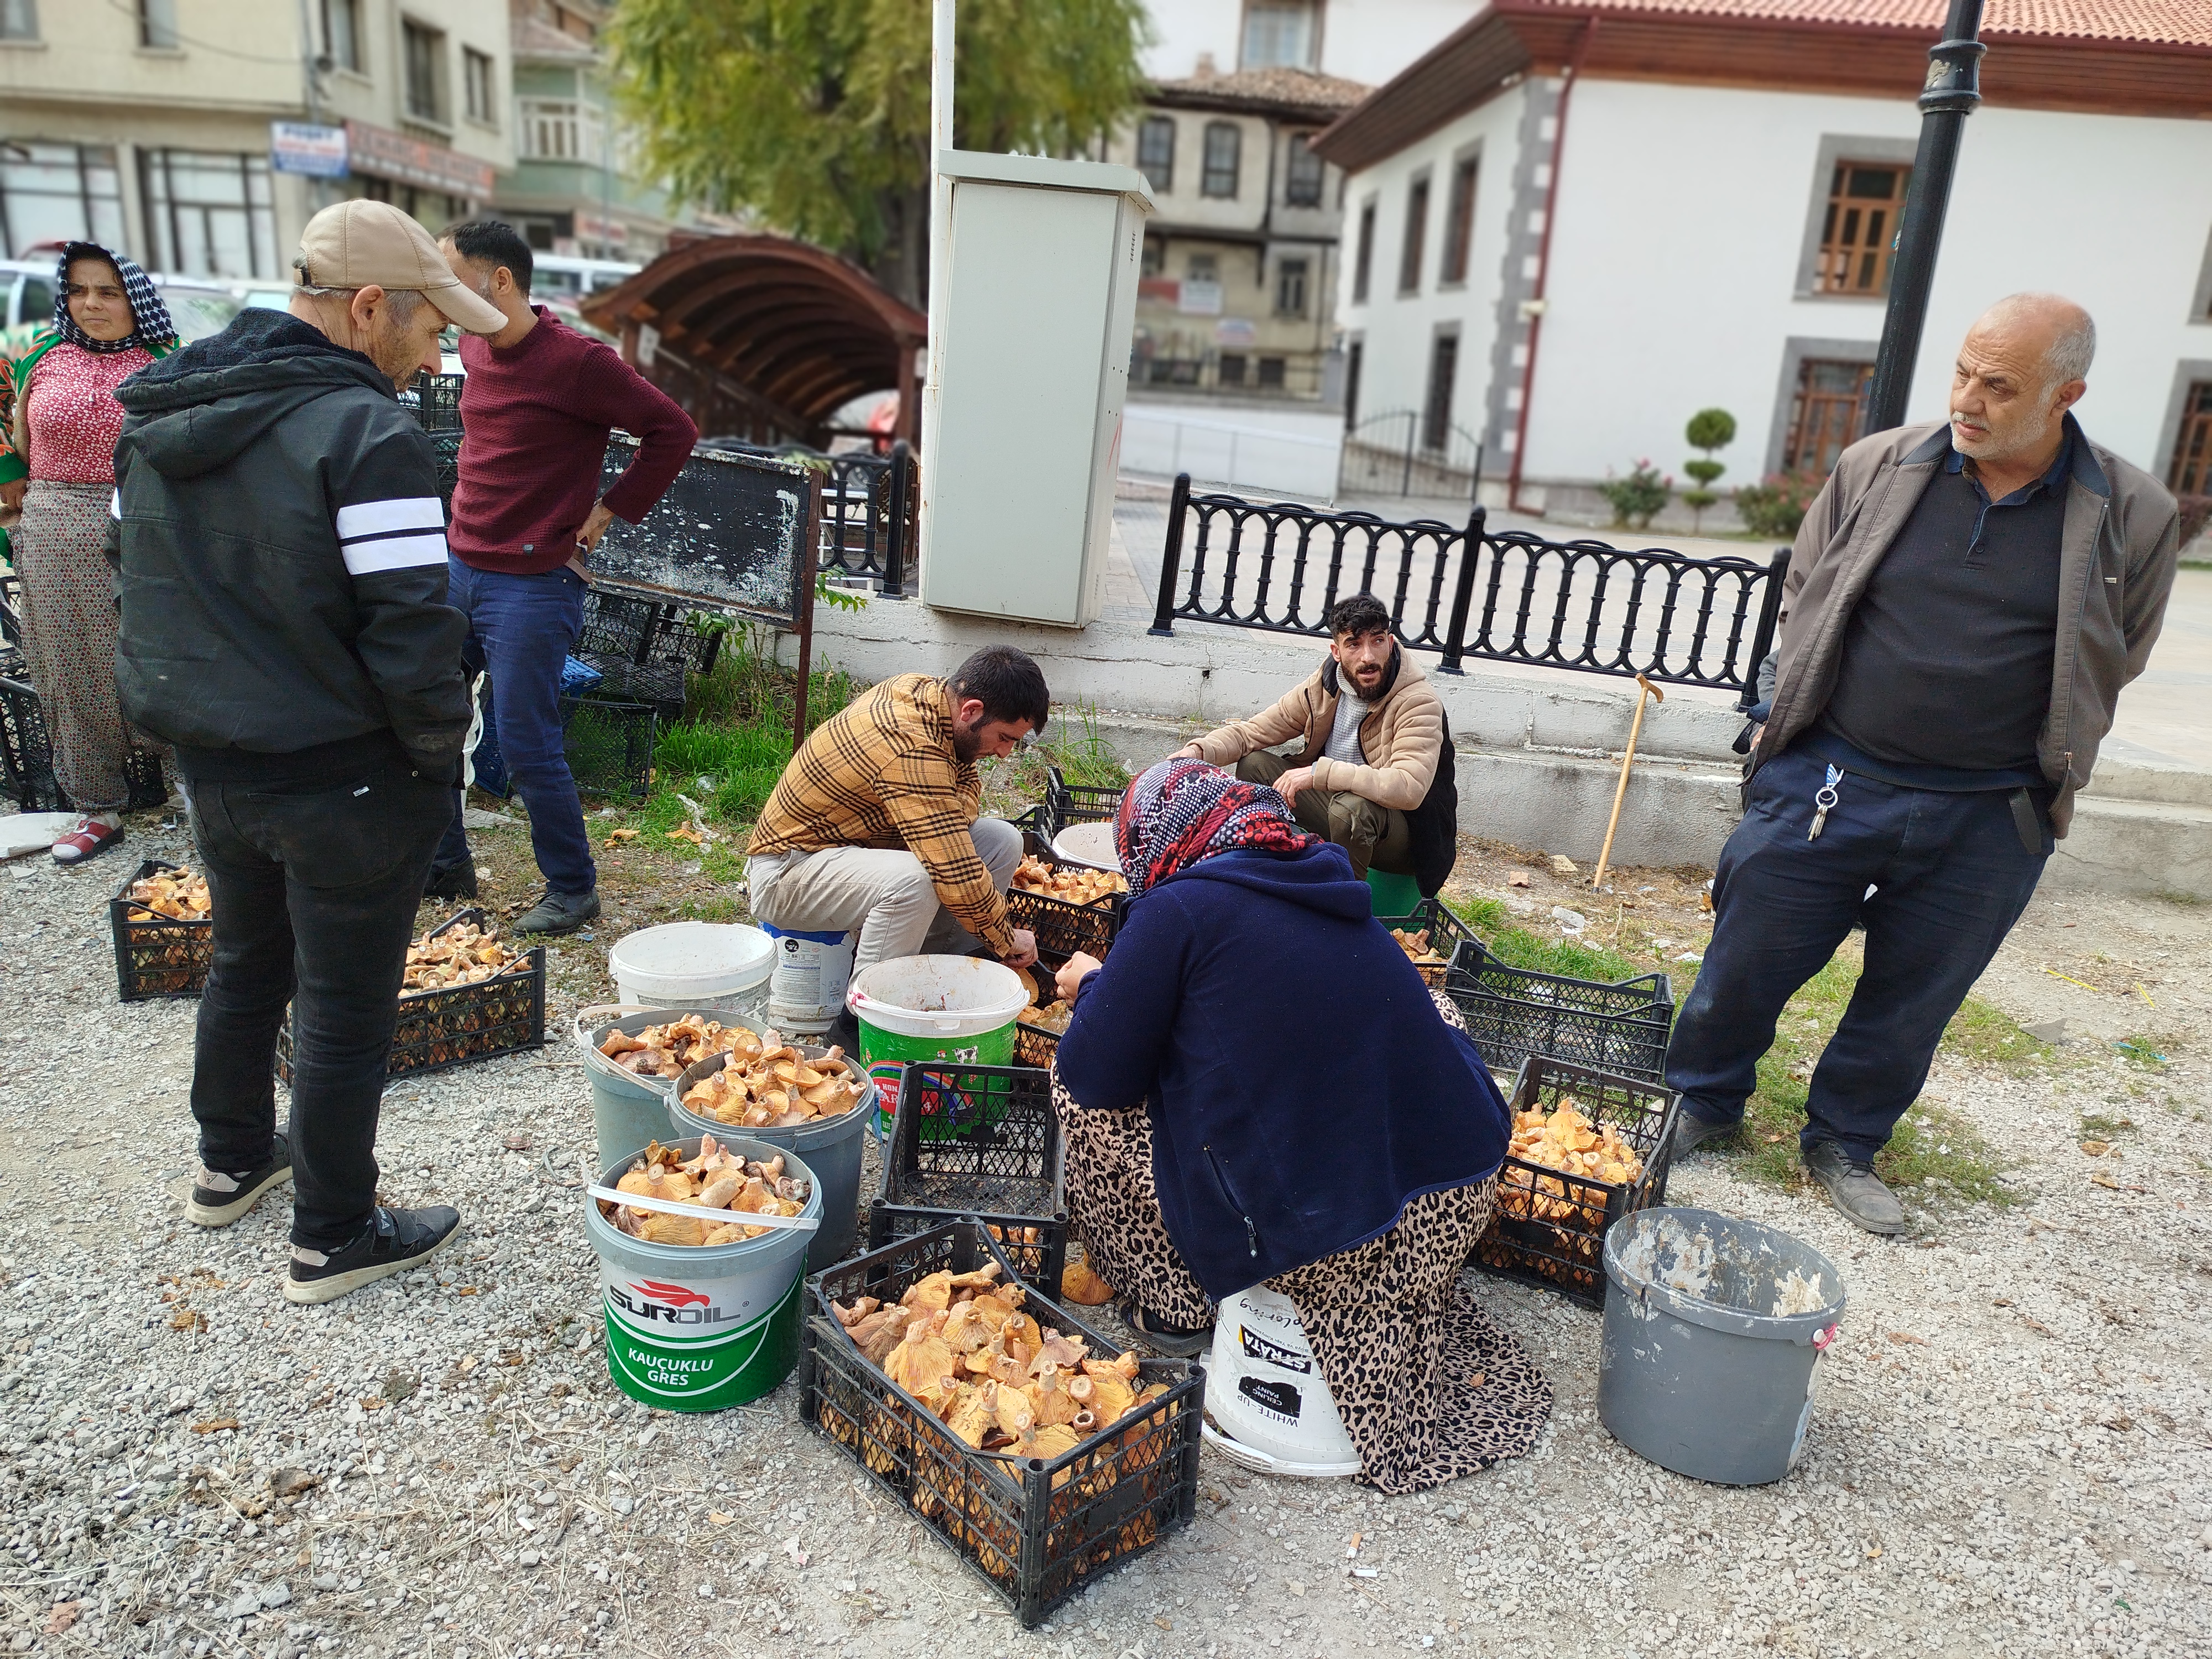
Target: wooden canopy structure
point(765, 338)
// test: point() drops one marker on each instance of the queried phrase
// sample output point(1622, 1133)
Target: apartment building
point(169, 128)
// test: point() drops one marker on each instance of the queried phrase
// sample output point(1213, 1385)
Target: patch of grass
point(2186, 900)
point(745, 761)
point(1981, 1031)
point(1073, 744)
point(1519, 947)
point(2149, 1050)
point(2102, 1125)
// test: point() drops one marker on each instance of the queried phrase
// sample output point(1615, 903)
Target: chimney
point(1206, 71)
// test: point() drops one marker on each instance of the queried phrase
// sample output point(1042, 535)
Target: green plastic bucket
point(1392, 895)
point(708, 1326)
point(932, 1011)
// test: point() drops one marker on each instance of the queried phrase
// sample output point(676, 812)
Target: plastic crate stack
point(457, 1024)
point(643, 650)
point(1036, 1530)
point(980, 1141)
point(26, 758)
point(1513, 1013)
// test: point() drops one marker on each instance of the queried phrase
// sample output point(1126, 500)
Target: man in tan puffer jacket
point(1373, 732)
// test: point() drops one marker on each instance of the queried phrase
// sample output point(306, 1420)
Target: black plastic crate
point(1446, 932)
point(609, 746)
point(1036, 1531)
point(26, 753)
point(1513, 1012)
point(157, 956)
point(1548, 1226)
point(460, 1023)
point(980, 1140)
point(1066, 803)
point(1063, 927)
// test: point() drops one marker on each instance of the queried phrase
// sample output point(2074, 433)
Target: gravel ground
point(2011, 1453)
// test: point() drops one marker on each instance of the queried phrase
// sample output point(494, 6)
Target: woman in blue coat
point(1257, 1088)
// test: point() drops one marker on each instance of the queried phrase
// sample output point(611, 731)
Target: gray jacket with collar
point(2119, 546)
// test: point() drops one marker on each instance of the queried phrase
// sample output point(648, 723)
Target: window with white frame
point(1156, 136)
point(209, 213)
point(424, 50)
point(558, 129)
point(1224, 148)
point(58, 193)
point(157, 24)
point(476, 78)
point(342, 35)
point(1290, 287)
point(1302, 176)
point(1280, 34)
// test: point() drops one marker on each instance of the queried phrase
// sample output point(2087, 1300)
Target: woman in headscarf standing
point(1257, 1088)
point(59, 469)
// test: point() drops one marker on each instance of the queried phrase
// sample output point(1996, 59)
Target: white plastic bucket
point(1264, 1391)
point(1090, 845)
point(721, 966)
point(807, 987)
point(933, 1010)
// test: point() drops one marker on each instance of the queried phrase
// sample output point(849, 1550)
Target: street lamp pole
point(1952, 91)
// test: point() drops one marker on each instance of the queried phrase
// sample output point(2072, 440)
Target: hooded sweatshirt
point(281, 553)
point(1302, 1085)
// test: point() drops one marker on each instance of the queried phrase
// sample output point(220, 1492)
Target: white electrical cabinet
point(1031, 376)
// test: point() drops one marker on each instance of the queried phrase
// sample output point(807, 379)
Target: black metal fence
point(1404, 453)
point(1464, 591)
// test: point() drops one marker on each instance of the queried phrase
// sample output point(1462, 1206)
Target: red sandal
point(87, 840)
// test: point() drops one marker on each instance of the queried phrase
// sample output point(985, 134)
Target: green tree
point(1708, 429)
point(813, 115)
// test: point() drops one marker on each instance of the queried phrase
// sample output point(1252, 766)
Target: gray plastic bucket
point(1700, 1373)
point(705, 1326)
point(629, 1112)
point(831, 1149)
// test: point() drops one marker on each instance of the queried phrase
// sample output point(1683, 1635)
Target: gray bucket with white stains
point(1714, 1330)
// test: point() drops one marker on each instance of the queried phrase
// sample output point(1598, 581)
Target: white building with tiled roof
point(1558, 268)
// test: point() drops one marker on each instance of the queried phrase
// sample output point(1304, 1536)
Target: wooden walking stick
point(1626, 761)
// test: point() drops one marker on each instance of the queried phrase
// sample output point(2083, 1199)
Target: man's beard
point(389, 348)
point(967, 742)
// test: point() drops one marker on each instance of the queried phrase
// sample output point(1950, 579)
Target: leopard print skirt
point(1429, 1388)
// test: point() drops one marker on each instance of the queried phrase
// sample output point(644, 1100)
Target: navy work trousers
point(1953, 877)
point(521, 629)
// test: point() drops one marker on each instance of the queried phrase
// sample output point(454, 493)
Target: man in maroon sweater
point(536, 410)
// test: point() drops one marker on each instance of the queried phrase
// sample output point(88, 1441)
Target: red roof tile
point(2163, 22)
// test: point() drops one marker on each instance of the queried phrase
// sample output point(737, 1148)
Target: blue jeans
point(521, 629)
point(1954, 877)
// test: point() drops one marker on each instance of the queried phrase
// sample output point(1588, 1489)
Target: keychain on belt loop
point(1822, 801)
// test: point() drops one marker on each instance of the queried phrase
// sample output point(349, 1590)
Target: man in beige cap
point(281, 553)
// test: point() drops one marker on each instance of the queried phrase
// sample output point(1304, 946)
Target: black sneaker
point(1174, 1340)
point(558, 913)
point(450, 881)
point(1855, 1188)
point(394, 1242)
point(844, 1033)
point(1692, 1132)
point(218, 1198)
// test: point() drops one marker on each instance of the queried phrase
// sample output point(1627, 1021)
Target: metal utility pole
point(941, 55)
point(1953, 90)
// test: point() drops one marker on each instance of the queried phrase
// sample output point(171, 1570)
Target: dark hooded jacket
point(281, 553)
point(1293, 1112)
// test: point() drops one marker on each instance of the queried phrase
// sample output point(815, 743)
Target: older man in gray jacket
point(1965, 602)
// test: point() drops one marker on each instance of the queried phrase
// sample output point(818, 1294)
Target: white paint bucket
point(1269, 1406)
point(807, 989)
point(721, 967)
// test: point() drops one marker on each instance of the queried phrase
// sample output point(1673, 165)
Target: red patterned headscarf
point(1182, 810)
